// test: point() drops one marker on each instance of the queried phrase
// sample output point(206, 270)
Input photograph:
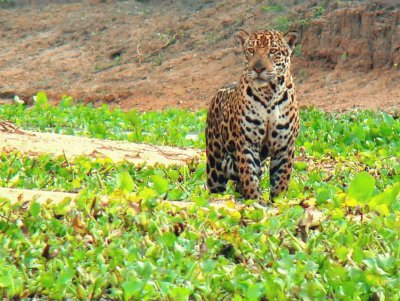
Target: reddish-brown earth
point(158, 53)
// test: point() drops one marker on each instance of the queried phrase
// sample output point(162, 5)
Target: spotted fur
point(255, 119)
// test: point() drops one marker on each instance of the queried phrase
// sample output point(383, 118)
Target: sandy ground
point(15, 195)
point(74, 146)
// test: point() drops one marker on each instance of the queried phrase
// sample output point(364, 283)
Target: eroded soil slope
point(156, 54)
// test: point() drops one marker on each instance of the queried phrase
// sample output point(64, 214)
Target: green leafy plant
point(158, 59)
point(7, 3)
point(319, 10)
point(273, 8)
point(282, 23)
point(334, 236)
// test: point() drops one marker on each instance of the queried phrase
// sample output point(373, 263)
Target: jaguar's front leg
point(216, 178)
point(249, 166)
point(281, 170)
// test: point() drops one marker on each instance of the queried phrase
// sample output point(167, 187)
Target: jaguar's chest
point(251, 116)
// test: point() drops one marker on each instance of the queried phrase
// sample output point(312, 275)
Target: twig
point(139, 55)
point(138, 52)
point(298, 244)
point(10, 169)
point(170, 41)
point(8, 127)
point(350, 259)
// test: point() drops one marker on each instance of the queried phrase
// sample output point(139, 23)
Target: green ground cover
point(335, 236)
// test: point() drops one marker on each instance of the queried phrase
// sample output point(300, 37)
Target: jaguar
point(255, 119)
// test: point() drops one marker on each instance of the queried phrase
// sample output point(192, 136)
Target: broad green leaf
point(359, 132)
point(41, 100)
point(160, 184)
point(65, 277)
point(180, 293)
point(341, 252)
point(98, 130)
point(208, 265)
point(47, 280)
point(385, 198)
point(362, 187)
point(146, 193)
point(300, 165)
point(34, 209)
point(175, 194)
point(132, 288)
point(168, 239)
point(133, 117)
point(165, 287)
point(253, 292)
point(5, 281)
point(12, 282)
point(145, 269)
point(388, 118)
point(81, 292)
point(125, 182)
point(173, 174)
point(383, 209)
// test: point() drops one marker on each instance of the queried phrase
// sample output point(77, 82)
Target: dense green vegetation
point(335, 236)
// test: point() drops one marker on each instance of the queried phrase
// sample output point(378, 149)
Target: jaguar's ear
point(241, 37)
point(291, 38)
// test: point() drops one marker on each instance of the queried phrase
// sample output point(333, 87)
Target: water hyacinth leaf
point(47, 280)
point(362, 187)
point(98, 130)
point(34, 209)
point(5, 281)
point(125, 181)
point(64, 279)
point(299, 165)
point(145, 269)
point(133, 117)
point(173, 174)
point(41, 100)
point(359, 132)
point(132, 288)
point(254, 292)
point(11, 282)
point(168, 239)
point(81, 292)
point(175, 194)
point(384, 200)
point(132, 246)
point(147, 194)
point(160, 184)
point(208, 265)
point(180, 293)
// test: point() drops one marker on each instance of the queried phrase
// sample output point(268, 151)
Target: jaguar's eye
point(272, 51)
point(250, 51)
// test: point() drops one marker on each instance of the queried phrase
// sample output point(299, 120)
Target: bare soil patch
point(34, 143)
point(155, 54)
point(16, 195)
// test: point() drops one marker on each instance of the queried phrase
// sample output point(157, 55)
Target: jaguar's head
point(267, 54)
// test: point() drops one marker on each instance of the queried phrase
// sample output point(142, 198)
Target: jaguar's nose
point(258, 69)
